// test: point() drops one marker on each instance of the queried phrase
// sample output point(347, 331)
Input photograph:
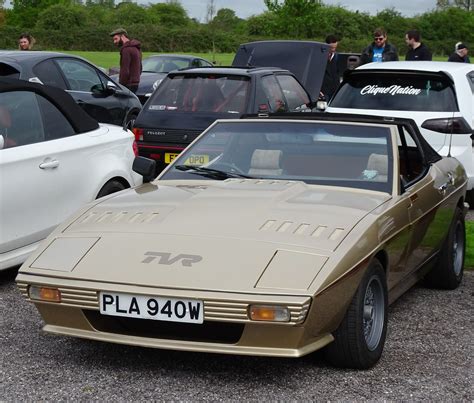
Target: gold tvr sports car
point(272, 236)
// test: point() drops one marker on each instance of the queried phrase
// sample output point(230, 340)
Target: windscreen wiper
point(210, 172)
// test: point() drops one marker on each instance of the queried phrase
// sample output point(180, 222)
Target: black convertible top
point(430, 155)
point(79, 119)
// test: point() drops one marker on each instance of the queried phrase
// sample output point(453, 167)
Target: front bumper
point(78, 315)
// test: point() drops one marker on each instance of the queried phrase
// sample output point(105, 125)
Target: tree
point(295, 19)
point(464, 4)
point(126, 14)
point(211, 11)
point(25, 12)
point(226, 20)
point(171, 15)
point(62, 17)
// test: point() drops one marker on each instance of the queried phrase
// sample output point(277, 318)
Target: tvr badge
point(167, 258)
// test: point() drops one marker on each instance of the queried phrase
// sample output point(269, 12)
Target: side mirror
point(2, 142)
point(145, 167)
point(111, 87)
point(321, 105)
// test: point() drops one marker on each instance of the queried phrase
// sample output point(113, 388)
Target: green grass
point(469, 262)
point(111, 59)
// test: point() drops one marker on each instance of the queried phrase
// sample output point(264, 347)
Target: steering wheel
point(233, 168)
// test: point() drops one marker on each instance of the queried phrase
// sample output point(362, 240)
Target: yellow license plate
point(197, 160)
point(169, 157)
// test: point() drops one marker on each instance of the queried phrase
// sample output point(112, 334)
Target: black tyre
point(448, 272)
point(360, 338)
point(110, 187)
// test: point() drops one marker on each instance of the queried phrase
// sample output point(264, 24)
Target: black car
point(99, 95)
point(188, 101)
point(155, 68)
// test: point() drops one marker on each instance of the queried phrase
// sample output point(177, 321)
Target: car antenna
point(451, 136)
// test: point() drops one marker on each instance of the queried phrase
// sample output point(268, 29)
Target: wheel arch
point(382, 257)
point(120, 179)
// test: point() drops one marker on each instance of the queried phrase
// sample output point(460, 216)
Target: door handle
point(443, 188)
point(450, 182)
point(451, 179)
point(49, 164)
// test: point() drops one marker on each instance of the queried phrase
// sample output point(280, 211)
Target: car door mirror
point(145, 167)
point(321, 105)
point(2, 141)
point(111, 88)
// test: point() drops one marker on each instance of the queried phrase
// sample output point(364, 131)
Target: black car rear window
point(201, 93)
point(402, 92)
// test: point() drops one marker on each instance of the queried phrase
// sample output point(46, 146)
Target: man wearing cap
point(130, 59)
point(460, 54)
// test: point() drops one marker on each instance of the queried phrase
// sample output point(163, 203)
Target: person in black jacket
point(331, 75)
point(460, 54)
point(379, 50)
point(418, 50)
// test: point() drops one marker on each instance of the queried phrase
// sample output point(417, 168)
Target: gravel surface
point(428, 356)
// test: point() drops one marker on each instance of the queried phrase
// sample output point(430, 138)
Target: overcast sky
point(245, 8)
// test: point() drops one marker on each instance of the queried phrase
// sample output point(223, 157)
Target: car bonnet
point(305, 59)
point(236, 235)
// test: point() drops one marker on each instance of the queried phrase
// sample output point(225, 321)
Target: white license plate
point(148, 307)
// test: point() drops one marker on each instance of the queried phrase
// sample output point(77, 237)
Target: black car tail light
point(456, 125)
point(138, 134)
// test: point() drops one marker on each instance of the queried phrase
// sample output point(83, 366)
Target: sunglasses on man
point(380, 38)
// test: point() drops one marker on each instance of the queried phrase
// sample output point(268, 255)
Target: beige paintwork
point(261, 242)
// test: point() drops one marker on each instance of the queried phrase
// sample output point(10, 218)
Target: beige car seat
point(377, 168)
point(266, 162)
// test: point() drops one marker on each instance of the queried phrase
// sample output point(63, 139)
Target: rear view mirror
point(2, 141)
point(145, 167)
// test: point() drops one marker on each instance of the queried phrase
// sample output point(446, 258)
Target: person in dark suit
point(331, 78)
point(418, 50)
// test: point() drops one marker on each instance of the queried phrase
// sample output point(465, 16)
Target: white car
point(439, 96)
point(53, 159)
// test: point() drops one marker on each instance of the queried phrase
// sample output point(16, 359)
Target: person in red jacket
point(130, 59)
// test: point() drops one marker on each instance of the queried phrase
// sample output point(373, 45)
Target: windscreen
point(201, 93)
point(335, 154)
point(164, 64)
point(401, 92)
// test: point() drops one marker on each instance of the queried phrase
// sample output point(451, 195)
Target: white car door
point(39, 169)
